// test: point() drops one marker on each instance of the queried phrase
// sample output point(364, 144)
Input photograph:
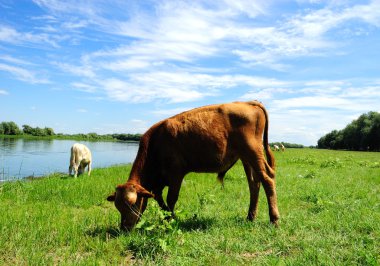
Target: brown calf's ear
point(143, 192)
point(111, 197)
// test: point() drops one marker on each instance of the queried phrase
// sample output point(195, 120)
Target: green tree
point(49, 131)
point(10, 128)
point(5, 127)
point(361, 134)
point(374, 133)
point(39, 132)
point(14, 129)
point(27, 129)
point(93, 136)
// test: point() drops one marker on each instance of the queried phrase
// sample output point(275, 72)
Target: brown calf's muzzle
point(128, 223)
point(130, 202)
point(130, 215)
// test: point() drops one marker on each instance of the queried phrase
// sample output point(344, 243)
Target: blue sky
point(120, 66)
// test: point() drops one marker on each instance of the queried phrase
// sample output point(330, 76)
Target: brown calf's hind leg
point(254, 188)
point(255, 158)
point(270, 191)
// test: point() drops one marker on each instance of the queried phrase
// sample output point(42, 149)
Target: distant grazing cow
point(80, 158)
point(205, 139)
point(276, 148)
point(282, 147)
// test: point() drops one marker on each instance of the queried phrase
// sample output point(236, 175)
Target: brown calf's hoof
point(275, 222)
point(251, 217)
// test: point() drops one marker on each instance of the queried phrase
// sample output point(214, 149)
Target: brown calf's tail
point(268, 151)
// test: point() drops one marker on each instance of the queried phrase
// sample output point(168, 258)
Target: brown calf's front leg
point(173, 193)
point(160, 200)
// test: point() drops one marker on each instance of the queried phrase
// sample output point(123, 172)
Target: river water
point(20, 158)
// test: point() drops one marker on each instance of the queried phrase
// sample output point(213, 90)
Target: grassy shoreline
point(329, 205)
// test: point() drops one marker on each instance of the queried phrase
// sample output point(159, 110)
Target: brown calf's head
point(129, 199)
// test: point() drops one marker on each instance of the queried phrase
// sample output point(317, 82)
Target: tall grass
point(329, 204)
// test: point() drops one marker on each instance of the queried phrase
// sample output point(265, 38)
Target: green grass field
point(329, 203)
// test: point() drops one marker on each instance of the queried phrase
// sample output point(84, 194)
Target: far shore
point(77, 137)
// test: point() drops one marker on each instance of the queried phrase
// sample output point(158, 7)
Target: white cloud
point(56, 7)
point(160, 38)
point(11, 35)
point(8, 34)
point(127, 64)
point(83, 87)
point(301, 35)
point(22, 74)
point(335, 95)
point(265, 94)
point(180, 86)
point(132, 92)
point(251, 8)
point(170, 112)
point(81, 71)
point(369, 13)
point(74, 25)
point(14, 60)
point(3, 92)
point(313, 102)
point(371, 92)
point(317, 23)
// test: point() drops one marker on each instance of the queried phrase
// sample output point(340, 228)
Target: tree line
point(361, 134)
point(288, 145)
point(11, 128)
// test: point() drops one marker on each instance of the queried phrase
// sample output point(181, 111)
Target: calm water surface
point(21, 158)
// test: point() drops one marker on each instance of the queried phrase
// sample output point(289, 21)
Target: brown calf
point(205, 139)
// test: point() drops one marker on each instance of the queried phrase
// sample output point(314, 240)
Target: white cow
point(276, 148)
point(80, 158)
point(282, 147)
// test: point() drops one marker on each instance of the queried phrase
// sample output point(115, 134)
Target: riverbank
point(80, 137)
point(328, 201)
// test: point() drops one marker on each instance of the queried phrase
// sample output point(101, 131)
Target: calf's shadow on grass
point(194, 223)
point(105, 233)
